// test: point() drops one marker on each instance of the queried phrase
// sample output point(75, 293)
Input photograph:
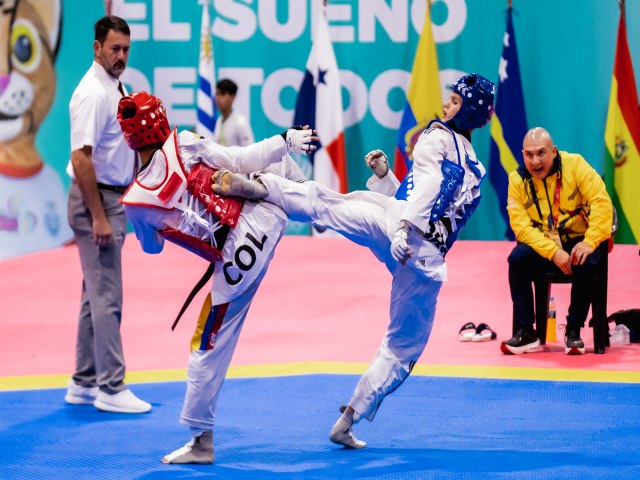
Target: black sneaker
point(573, 343)
point(524, 341)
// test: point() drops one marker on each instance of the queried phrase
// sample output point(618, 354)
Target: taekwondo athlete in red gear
point(409, 227)
point(171, 199)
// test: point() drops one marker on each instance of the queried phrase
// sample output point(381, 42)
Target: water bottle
point(551, 321)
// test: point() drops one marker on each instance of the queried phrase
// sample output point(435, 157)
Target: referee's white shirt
point(93, 109)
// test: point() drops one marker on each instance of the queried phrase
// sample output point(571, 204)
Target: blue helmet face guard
point(477, 101)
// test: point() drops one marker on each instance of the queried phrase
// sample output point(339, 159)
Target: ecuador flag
point(622, 139)
point(424, 100)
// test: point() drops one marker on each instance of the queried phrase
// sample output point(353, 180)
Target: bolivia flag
point(622, 139)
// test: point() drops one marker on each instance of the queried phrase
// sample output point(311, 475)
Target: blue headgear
point(477, 101)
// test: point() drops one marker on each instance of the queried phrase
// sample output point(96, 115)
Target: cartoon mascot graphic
point(32, 196)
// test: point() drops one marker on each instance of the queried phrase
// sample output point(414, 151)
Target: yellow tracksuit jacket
point(585, 208)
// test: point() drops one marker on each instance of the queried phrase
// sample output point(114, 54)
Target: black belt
point(113, 188)
point(201, 283)
point(220, 235)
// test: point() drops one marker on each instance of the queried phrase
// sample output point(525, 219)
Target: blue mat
point(441, 428)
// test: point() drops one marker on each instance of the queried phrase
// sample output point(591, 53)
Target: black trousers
point(526, 266)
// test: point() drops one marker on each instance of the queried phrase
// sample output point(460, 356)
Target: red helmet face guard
point(143, 120)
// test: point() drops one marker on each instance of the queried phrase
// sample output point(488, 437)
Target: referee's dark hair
point(110, 22)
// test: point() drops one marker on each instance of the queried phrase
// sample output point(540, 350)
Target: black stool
point(598, 307)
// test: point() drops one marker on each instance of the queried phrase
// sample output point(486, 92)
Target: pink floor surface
point(322, 300)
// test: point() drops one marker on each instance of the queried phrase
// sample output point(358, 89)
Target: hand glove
point(399, 247)
point(299, 140)
point(378, 162)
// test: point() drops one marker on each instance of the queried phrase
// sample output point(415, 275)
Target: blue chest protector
point(452, 179)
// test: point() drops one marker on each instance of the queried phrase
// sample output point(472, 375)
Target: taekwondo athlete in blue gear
point(409, 232)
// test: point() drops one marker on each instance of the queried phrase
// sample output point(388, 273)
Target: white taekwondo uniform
point(246, 249)
point(371, 218)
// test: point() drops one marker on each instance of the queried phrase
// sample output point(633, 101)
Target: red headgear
point(143, 120)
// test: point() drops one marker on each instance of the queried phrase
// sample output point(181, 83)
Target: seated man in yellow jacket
point(560, 212)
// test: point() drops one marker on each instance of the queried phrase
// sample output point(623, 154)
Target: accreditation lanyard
point(552, 219)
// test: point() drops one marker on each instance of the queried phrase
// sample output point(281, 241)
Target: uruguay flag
point(319, 104)
point(205, 98)
point(509, 123)
point(424, 100)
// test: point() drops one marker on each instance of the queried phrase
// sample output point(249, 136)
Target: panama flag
point(509, 123)
point(205, 98)
point(319, 105)
point(424, 99)
point(622, 140)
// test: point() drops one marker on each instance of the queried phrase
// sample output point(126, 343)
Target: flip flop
point(467, 331)
point(483, 334)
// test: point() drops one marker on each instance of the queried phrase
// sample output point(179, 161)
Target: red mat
point(322, 300)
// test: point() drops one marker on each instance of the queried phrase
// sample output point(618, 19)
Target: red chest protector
point(227, 209)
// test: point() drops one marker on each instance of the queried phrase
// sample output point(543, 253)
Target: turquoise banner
point(566, 52)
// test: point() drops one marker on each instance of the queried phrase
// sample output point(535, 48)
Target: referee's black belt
point(113, 188)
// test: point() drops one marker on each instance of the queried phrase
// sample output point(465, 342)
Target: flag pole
point(205, 94)
point(622, 10)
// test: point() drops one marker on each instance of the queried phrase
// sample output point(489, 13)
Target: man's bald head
point(539, 152)
point(537, 135)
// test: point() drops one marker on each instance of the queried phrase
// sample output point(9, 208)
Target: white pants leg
point(212, 347)
point(413, 306)
point(370, 219)
point(247, 253)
